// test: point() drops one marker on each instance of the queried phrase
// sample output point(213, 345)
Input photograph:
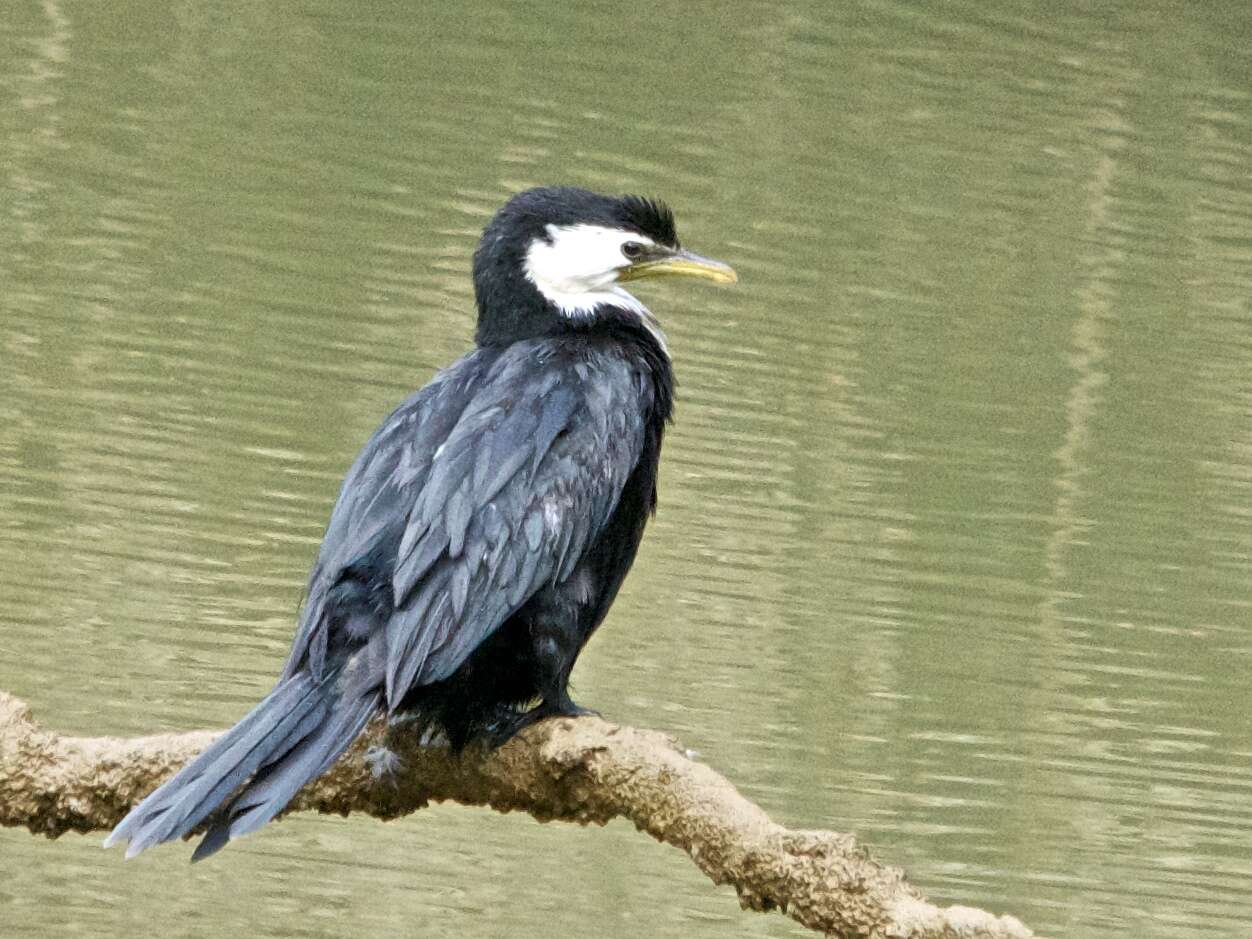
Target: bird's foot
point(507, 726)
point(575, 710)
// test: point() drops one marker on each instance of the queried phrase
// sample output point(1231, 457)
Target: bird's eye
point(632, 250)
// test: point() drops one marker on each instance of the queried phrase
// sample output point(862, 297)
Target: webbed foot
point(506, 727)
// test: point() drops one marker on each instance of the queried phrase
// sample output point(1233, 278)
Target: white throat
point(576, 269)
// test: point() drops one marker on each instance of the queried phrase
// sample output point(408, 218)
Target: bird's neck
point(512, 309)
point(644, 342)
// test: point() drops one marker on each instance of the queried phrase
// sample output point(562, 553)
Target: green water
point(955, 542)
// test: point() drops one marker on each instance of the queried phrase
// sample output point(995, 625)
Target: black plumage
point(480, 536)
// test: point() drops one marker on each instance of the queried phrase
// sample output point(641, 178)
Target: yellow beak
point(681, 263)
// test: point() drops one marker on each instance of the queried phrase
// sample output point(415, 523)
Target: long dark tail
point(297, 731)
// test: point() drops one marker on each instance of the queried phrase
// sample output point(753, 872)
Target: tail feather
point(299, 710)
point(295, 726)
point(277, 782)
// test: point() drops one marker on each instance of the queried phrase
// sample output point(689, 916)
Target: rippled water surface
point(955, 544)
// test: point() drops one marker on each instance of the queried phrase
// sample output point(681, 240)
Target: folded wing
point(450, 529)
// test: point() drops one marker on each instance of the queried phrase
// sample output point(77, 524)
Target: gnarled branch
point(584, 770)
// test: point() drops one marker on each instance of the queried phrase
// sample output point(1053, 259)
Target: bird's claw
point(506, 727)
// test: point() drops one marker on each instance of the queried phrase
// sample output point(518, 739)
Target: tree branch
point(583, 770)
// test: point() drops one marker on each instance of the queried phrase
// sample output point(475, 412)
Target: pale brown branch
point(584, 770)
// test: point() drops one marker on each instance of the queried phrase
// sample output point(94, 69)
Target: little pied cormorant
point(484, 529)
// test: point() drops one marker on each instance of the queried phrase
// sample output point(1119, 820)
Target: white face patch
point(577, 268)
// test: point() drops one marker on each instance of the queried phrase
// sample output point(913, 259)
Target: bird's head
point(554, 259)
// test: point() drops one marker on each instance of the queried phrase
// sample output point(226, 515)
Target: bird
point(485, 528)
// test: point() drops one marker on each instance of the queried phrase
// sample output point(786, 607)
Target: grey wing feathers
point(488, 484)
point(485, 535)
point(376, 494)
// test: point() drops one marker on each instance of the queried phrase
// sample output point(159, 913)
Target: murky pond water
point(955, 544)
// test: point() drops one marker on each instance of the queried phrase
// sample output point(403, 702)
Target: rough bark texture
point(584, 770)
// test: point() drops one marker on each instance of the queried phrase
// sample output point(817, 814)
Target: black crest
point(529, 213)
point(650, 217)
